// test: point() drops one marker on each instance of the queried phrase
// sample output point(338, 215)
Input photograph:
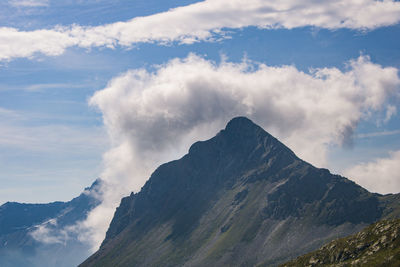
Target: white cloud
point(45, 234)
point(14, 43)
point(381, 175)
point(203, 21)
point(153, 117)
point(391, 111)
point(50, 232)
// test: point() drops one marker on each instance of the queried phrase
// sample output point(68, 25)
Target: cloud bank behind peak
point(154, 116)
point(381, 175)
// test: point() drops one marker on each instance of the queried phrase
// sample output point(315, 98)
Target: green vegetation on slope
point(376, 245)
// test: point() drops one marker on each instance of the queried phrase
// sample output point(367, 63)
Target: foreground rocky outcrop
point(376, 245)
point(241, 198)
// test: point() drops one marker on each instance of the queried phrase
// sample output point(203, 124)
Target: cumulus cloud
point(202, 21)
point(57, 231)
point(152, 117)
point(381, 175)
point(46, 234)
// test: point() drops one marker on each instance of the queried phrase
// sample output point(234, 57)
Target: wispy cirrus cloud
point(40, 87)
point(28, 3)
point(17, 133)
point(52, 138)
point(203, 21)
point(378, 134)
point(57, 152)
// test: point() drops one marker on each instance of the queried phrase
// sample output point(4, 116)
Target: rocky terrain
point(376, 245)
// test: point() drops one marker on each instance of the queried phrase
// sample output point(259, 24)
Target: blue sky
point(52, 142)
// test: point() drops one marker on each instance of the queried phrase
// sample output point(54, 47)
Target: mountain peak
point(94, 186)
point(242, 190)
point(241, 136)
point(243, 132)
point(242, 124)
point(240, 121)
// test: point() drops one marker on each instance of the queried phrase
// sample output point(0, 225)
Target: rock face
point(376, 245)
point(241, 198)
point(31, 234)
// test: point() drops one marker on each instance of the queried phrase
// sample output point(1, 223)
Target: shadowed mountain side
point(239, 199)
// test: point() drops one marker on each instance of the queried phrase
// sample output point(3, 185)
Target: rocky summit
point(241, 198)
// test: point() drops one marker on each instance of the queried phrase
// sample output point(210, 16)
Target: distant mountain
point(376, 245)
point(241, 198)
point(33, 235)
